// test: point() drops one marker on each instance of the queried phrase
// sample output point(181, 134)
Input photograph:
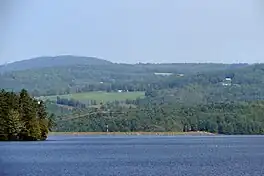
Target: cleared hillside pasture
point(99, 96)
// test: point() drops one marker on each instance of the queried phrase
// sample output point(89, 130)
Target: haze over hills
point(151, 93)
point(181, 97)
point(65, 74)
point(56, 61)
point(71, 60)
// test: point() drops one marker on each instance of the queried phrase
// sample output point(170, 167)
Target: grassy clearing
point(100, 96)
point(132, 133)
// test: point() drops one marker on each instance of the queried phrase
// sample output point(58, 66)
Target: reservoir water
point(134, 155)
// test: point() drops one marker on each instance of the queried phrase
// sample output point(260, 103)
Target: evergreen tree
point(22, 117)
point(14, 125)
point(43, 122)
point(3, 115)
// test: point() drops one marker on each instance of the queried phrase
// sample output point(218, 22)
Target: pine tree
point(43, 125)
point(14, 125)
point(3, 116)
point(42, 113)
point(22, 117)
point(34, 132)
point(51, 122)
point(43, 121)
point(3, 129)
point(28, 113)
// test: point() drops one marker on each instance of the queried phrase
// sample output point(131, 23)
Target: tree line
point(23, 117)
point(103, 77)
point(192, 103)
point(86, 103)
point(143, 80)
point(72, 102)
point(220, 118)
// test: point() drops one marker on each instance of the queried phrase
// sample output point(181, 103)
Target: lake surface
point(135, 155)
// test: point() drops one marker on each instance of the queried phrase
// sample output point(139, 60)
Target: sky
point(131, 31)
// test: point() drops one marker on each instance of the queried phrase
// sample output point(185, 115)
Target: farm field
point(99, 96)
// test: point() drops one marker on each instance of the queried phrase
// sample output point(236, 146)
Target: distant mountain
point(57, 61)
point(62, 74)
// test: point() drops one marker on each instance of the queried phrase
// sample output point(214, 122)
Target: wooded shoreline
point(133, 133)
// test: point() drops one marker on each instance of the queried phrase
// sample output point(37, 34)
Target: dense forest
point(218, 98)
point(22, 117)
point(68, 74)
point(221, 118)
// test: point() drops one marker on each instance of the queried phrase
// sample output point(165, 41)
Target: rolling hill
point(181, 97)
point(73, 74)
point(57, 61)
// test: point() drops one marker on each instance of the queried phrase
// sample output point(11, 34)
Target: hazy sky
point(134, 30)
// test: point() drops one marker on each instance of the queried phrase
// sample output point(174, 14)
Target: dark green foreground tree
point(22, 117)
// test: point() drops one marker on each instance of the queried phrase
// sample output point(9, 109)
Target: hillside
point(221, 118)
point(241, 84)
point(218, 98)
point(57, 61)
point(71, 74)
point(198, 102)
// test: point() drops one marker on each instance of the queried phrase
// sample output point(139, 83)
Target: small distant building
point(180, 75)
point(163, 74)
point(227, 82)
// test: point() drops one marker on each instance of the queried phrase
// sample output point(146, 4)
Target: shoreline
point(195, 133)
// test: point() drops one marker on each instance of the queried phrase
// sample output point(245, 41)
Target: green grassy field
point(100, 96)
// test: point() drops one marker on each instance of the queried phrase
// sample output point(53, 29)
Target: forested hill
point(71, 61)
point(70, 74)
point(201, 102)
point(57, 61)
point(219, 98)
point(241, 84)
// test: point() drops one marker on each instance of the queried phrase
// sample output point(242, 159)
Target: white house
point(227, 82)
